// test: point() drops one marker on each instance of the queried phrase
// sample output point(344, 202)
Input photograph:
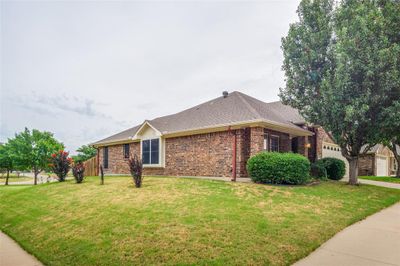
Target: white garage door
point(381, 166)
point(333, 150)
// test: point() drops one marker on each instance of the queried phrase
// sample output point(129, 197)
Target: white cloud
point(84, 70)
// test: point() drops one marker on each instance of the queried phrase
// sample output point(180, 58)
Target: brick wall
point(117, 164)
point(200, 155)
point(322, 136)
point(243, 151)
point(366, 164)
point(197, 155)
point(257, 140)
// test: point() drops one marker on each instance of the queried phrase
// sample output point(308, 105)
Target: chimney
point(225, 94)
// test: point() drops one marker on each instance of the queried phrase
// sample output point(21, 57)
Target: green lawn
point(181, 221)
point(390, 179)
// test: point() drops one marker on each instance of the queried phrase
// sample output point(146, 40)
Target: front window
point(126, 151)
point(151, 151)
point(275, 143)
point(105, 157)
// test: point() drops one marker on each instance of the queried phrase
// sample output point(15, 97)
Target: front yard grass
point(389, 179)
point(180, 220)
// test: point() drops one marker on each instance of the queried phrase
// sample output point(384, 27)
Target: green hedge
point(279, 168)
point(335, 168)
point(318, 170)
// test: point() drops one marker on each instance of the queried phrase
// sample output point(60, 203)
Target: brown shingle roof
point(236, 108)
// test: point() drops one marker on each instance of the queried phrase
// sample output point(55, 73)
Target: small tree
point(136, 168)
point(61, 164)
point(85, 152)
point(78, 171)
point(33, 150)
point(6, 161)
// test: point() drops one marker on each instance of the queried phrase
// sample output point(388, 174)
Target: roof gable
point(145, 130)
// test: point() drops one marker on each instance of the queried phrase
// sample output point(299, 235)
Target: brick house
point(215, 138)
point(378, 161)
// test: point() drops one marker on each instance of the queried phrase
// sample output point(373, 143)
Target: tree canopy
point(6, 162)
point(85, 152)
point(342, 69)
point(33, 150)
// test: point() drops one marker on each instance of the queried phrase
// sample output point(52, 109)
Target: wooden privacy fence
point(90, 167)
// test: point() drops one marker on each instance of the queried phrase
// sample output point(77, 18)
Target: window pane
point(155, 145)
point(146, 151)
point(126, 150)
point(105, 157)
point(274, 143)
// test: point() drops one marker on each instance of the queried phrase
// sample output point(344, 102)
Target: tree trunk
point(35, 172)
point(353, 171)
point(8, 175)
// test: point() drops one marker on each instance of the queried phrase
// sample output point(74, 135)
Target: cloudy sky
point(85, 70)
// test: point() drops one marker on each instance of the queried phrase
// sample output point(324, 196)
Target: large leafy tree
point(33, 150)
point(390, 131)
point(339, 64)
point(85, 152)
point(6, 161)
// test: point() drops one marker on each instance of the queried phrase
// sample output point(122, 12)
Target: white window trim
point(265, 143)
point(160, 143)
point(270, 142)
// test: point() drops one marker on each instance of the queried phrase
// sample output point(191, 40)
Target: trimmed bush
point(78, 171)
point(335, 168)
point(60, 164)
point(279, 168)
point(136, 168)
point(318, 171)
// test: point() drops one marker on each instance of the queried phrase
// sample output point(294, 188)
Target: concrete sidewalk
point(379, 183)
point(11, 254)
point(373, 241)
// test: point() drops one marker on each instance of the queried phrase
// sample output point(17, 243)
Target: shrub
point(78, 171)
point(136, 168)
point(60, 164)
point(318, 170)
point(279, 168)
point(335, 168)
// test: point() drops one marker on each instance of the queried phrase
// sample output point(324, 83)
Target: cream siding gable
point(145, 132)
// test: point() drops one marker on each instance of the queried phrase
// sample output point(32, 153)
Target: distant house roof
point(378, 148)
point(236, 108)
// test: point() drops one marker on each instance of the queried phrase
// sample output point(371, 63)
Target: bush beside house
point(279, 168)
point(318, 170)
point(335, 168)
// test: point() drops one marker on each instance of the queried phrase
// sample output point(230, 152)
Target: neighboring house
point(378, 161)
point(215, 138)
